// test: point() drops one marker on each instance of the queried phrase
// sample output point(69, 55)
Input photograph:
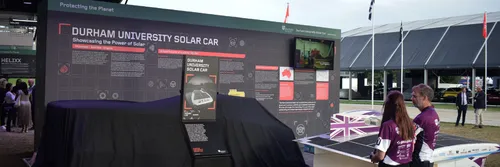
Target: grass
point(488, 133)
point(438, 105)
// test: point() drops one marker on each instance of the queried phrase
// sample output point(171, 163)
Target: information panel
point(200, 88)
point(12, 65)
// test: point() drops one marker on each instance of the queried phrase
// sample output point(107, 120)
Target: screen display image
point(314, 53)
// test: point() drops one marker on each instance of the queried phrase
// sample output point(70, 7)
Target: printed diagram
point(200, 97)
point(198, 93)
point(286, 74)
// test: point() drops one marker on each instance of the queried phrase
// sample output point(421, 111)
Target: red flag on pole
point(485, 27)
point(287, 14)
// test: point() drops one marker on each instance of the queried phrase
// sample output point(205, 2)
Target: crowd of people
point(17, 109)
point(479, 105)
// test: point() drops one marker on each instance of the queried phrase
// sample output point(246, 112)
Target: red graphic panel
point(322, 91)
point(286, 91)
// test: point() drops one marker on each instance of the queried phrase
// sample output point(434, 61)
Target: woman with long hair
point(397, 133)
point(24, 108)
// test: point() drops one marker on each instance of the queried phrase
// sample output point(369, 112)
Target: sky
point(341, 14)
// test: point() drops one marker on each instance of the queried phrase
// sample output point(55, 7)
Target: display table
point(451, 151)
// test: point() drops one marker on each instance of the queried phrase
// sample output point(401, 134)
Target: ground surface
point(14, 146)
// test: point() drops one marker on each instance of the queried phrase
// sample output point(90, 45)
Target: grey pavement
point(446, 115)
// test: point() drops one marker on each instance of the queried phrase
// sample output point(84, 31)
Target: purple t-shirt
point(428, 122)
point(397, 151)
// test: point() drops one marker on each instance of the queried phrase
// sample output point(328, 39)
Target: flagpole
point(402, 51)
point(486, 62)
point(373, 53)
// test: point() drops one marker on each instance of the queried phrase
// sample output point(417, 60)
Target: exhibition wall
point(97, 50)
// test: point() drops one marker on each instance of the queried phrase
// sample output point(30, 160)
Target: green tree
point(450, 79)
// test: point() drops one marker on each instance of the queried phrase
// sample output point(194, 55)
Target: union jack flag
point(341, 125)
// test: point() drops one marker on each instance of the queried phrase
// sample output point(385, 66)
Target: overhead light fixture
point(21, 22)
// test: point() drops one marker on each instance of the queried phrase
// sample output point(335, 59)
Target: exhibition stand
point(127, 86)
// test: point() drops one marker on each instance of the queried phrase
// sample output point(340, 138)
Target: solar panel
point(366, 140)
point(353, 148)
point(322, 141)
point(364, 146)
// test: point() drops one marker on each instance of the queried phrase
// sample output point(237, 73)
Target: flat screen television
point(314, 54)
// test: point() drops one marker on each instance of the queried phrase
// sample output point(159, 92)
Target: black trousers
point(12, 115)
point(3, 116)
point(382, 164)
point(462, 110)
point(415, 163)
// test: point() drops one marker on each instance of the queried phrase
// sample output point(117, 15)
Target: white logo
point(300, 129)
point(436, 121)
point(289, 30)
point(172, 84)
point(102, 95)
point(115, 96)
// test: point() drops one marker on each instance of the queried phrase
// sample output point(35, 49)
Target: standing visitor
point(24, 107)
point(461, 103)
point(428, 121)
point(397, 134)
point(8, 107)
point(479, 107)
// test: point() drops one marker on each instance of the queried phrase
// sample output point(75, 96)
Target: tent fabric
point(493, 49)
point(458, 48)
point(86, 133)
point(351, 46)
point(418, 46)
point(385, 44)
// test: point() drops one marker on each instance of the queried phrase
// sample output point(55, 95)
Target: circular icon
point(102, 95)
point(232, 42)
point(301, 129)
point(173, 84)
point(151, 84)
point(115, 96)
point(242, 43)
point(318, 114)
point(64, 69)
point(250, 75)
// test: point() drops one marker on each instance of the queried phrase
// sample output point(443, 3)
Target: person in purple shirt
point(397, 134)
point(428, 122)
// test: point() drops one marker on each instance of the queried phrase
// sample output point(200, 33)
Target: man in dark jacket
point(479, 107)
point(461, 103)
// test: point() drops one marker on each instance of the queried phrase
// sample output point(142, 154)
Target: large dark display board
point(17, 63)
point(95, 50)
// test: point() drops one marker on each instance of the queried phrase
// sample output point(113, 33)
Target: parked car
point(450, 94)
point(379, 92)
point(438, 94)
point(344, 94)
point(493, 97)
